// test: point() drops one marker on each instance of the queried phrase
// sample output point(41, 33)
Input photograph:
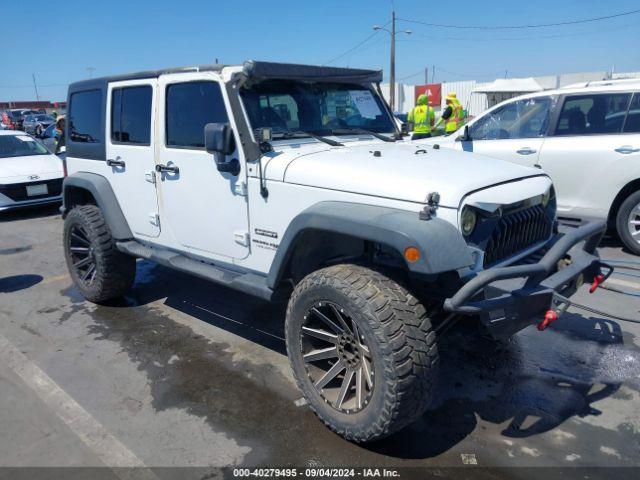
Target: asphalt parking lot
point(185, 373)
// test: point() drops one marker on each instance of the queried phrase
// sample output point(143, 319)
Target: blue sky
point(57, 44)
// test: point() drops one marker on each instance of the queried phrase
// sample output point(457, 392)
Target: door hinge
point(150, 176)
point(241, 237)
point(154, 219)
point(241, 189)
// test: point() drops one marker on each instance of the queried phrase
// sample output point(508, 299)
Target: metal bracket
point(150, 176)
point(241, 237)
point(240, 188)
point(433, 200)
point(154, 219)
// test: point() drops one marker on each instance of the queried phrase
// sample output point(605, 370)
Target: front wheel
point(628, 222)
point(362, 351)
point(97, 268)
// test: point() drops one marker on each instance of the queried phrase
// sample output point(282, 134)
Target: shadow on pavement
point(18, 282)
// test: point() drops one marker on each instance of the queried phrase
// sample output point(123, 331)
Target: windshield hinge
point(433, 201)
point(240, 188)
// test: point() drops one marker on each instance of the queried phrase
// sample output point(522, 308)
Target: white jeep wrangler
point(288, 181)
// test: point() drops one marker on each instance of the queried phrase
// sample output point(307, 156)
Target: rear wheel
point(98, 269)
point(362, 351)
point(628, 222)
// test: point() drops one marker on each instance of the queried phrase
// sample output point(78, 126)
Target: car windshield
point(291, 108)
point(44, 118)
point(20, 146)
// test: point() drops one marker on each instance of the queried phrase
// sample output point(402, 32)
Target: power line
point(529, 37)
point(356, 46)
point(539, 25)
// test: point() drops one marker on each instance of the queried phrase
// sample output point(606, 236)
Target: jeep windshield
point(299, 109)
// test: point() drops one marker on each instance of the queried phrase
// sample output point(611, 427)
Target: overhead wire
point(513, 27)
point(355, 47)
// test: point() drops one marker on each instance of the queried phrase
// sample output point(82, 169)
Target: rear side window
point(632, 124)
point(190, 106)
point(84, 117)
point(131, 115)
point(593, 114)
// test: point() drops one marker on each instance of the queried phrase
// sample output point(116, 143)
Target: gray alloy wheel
point(337, 358)
point(628, 222)
point(633, 223)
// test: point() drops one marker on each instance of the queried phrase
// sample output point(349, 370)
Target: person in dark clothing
point(60, 134)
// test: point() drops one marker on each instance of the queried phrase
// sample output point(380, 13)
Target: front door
point(514, 132)
point(206, 210)
point(130, 153)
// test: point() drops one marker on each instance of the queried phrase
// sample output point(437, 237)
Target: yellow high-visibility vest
point(421, 117)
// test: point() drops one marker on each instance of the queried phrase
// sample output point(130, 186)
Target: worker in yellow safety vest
point(452, 115)
point(422, 117)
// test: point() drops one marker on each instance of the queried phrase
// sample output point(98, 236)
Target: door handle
point(526, 151)
point(115, 163)
point(626, 149)
point(167, 169)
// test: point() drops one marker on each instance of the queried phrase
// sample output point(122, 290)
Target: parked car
point(36, 123)
point(291, 181)
point(586, 137)
point(29, 173)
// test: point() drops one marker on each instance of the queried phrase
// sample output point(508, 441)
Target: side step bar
point(250, 283)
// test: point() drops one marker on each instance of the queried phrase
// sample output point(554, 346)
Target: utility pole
point(433, 73)
point(392, 72)
point(426, 74)
point(35, 86)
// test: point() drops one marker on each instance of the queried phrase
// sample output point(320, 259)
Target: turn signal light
point(412, 254)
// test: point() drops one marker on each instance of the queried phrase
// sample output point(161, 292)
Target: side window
point(190, 106)
point(632, 124)
point(131, 115)
point(520, 119)
point(84, 117)
point(602, 113)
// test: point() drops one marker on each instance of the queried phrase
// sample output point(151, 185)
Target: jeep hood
point(402, 171)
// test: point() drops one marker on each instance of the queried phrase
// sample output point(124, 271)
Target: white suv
point(289, 182)
point(586, 137)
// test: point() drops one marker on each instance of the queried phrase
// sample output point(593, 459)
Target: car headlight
point(468, 220)
point(546, 197)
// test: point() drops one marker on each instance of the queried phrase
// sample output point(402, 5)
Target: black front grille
point(516, 231)
point(18, 191)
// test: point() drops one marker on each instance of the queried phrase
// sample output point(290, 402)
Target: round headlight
point(546, 197)
point(468, 220)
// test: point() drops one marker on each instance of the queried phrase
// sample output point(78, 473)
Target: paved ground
point(185, 373)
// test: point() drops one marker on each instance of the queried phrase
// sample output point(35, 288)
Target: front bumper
point(511, 298)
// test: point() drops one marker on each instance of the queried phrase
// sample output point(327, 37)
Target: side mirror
point(218, 140)
point(465, 137)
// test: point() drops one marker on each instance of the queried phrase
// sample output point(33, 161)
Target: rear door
point(130, 153)
point(590, 155)
point(514, 132)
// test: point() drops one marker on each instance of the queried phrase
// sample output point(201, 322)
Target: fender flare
point(104, 196)
point(441, 245)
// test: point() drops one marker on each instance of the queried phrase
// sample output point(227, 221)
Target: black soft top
point(259, 71)
point(254, 71)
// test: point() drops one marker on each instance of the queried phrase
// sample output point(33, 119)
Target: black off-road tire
point(400, 338)
point(622, 223)
point(114, 271)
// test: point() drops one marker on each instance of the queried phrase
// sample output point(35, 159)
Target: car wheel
point(362, 350)
point(98, 269)
point(628, 222)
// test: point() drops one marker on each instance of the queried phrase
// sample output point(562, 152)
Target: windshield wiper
point(320, 138)
point(362, 130)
